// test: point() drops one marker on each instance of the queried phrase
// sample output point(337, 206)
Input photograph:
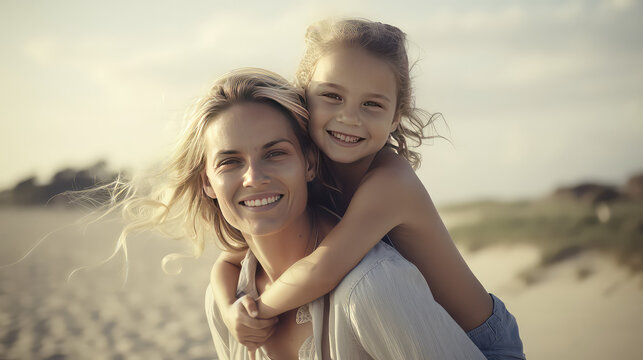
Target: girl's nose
point(349, 117)
point(255, 176)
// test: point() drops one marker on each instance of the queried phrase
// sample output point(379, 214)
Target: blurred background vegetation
point(562, 224)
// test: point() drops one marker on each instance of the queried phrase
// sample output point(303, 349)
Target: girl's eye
point(372, 104)
point(332, 96)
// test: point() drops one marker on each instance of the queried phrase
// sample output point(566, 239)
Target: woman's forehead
point(248, 126)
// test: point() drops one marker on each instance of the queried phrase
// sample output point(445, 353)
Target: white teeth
point(345, 138)
point(261, 202)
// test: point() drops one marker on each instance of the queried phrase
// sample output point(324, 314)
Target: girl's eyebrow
point(339, 87)
point(265, 146)
point(378, 96)
point(325, 84)
point(330, 84)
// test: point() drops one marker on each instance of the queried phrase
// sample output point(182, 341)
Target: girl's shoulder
point(389, 168)
point(391, 178)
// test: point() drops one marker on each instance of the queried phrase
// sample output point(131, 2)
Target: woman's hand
point(241, 320)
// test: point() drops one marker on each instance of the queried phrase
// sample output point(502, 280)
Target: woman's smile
point(261, 202)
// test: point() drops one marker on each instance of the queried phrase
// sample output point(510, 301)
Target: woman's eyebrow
point(226, 152)
point(275, 142)
point(265, 146)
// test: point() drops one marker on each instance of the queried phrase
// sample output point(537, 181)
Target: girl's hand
point(241, 320)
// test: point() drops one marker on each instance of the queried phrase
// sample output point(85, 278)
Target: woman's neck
point(277, 252)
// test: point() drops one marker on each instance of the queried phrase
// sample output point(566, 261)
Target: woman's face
point(352, 101)
point(255, 168)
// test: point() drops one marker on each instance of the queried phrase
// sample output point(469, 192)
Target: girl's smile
point(344, 139)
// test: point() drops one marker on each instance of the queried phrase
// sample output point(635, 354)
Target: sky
point(534, 95)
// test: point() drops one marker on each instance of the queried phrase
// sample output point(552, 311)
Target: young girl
point(356, 76)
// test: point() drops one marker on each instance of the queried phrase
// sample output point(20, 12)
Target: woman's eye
point(275, 153)
point(225, 162)
point(332, 96)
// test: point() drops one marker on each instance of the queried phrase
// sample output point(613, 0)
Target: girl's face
point(352, 101)
point(255, 168)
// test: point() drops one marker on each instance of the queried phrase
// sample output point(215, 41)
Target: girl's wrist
point(262, 309)
point(267, 311)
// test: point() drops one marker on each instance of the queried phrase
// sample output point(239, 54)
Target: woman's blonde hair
point(176, 204)
point(388, 43)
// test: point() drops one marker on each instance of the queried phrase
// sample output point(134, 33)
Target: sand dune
point(585, 308)
point(158, 316)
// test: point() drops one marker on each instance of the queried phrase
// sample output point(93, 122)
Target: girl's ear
point(311, 165)
point(396, 122)
point(207, 188)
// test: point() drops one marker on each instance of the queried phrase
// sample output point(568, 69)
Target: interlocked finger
point(258, 324)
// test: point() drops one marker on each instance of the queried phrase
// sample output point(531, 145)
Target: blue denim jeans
point(498, 337)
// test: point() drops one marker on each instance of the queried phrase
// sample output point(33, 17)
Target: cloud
point(621, 4)
point(542, 68)
point(41, 50)
point(568, 10)
point(475, 20)
point(238, 33)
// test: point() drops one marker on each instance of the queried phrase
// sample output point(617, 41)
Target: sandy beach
point(584, 308)
point(154, 316)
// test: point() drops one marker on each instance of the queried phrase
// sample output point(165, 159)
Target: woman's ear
point(207, 188)
point(311, 165)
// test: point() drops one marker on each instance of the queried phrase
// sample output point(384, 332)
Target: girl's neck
point(349, 176)
point(277, 252)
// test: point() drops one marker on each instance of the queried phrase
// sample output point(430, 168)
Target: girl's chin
point(342, 158)
point(339, 154)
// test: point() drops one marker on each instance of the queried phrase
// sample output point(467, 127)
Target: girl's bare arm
point(225, 276)
point(390, 199)
point(249, 330)
point(374, 210)
point(424, 240)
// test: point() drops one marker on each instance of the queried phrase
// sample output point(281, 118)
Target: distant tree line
point(601, 193)
point(29, 192)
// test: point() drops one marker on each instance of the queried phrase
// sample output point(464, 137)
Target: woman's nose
point(349, 117)
point(255, 176)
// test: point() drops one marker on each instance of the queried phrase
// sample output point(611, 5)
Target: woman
point(250, 146)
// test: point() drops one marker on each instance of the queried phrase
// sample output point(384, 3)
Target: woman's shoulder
point(381, 264)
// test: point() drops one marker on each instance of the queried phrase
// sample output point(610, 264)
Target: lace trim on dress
point(303, 315)
point(307, 349)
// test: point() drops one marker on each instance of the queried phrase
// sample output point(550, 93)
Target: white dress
point(383, 309)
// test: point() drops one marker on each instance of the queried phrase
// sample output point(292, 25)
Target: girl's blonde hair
point(388, 43)
point(176, 204)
